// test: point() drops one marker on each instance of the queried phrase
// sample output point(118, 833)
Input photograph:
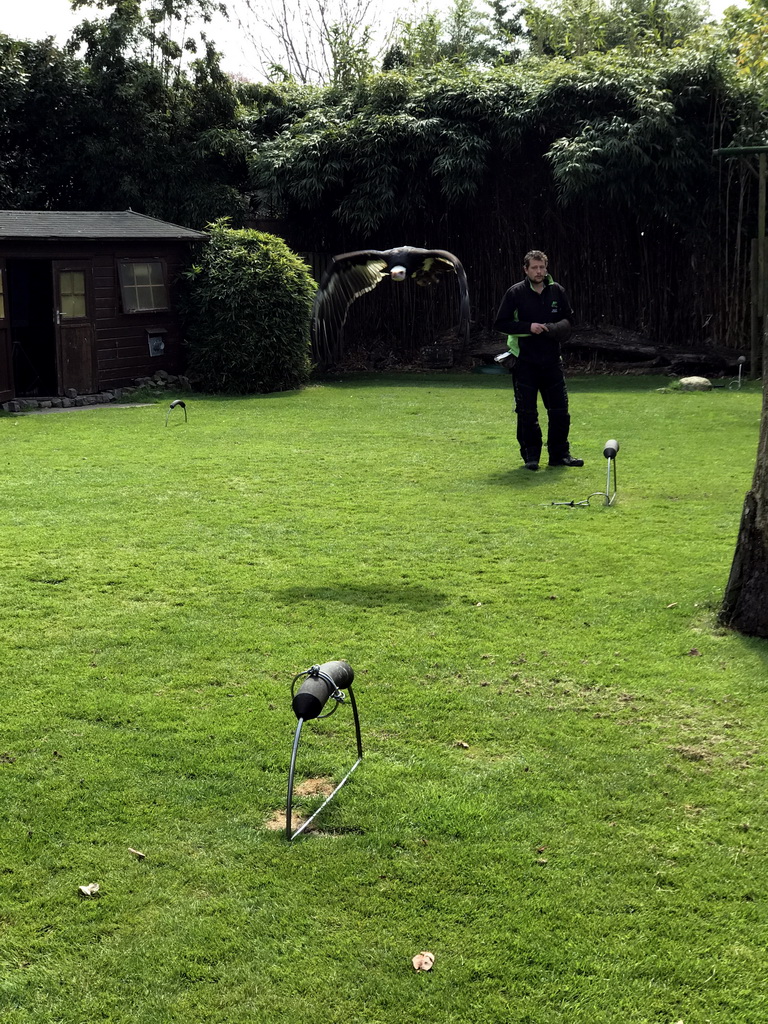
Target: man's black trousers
point(529, 379)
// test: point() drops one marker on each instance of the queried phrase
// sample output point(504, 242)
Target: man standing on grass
point(536, 316)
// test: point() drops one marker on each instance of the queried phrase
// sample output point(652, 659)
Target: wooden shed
point(87, 299)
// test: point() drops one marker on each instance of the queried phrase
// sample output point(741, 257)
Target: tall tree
point(572, 28)
point(415, 42)
point(161, 138)
point(509, 35)
point(106, 124)
point(44, 103)
point(467, 32)
point(746, 32)
point(160, 33)
point(324, 42)
point(466, 35)
point(745, 604)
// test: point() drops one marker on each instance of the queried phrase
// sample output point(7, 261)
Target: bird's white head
point(398, 273)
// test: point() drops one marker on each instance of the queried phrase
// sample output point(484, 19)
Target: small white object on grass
point(423, 961)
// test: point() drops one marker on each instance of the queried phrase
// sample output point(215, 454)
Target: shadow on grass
point(751, 645)
point(546, 476)
point(363, 596)
point(517, 476)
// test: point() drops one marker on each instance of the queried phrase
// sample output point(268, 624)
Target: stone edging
point(71, 399)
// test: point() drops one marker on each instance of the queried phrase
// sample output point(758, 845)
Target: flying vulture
point(352, 274)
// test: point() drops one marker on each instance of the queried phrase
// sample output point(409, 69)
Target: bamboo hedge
point(605, 162)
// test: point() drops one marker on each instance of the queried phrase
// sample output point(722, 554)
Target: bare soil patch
point(314, 787)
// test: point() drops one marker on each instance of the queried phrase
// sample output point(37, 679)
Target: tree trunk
point(745, 604)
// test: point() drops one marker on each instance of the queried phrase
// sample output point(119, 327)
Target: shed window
point(72, 292)
point(142, 285)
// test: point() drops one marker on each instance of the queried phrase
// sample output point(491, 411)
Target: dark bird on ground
point(352, 274)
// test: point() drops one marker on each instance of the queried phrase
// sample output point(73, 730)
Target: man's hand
point(539, 328)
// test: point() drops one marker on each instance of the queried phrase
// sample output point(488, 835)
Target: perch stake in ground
point(610, 451)
point(321, 682)
point(176, 404)
point(735, 384)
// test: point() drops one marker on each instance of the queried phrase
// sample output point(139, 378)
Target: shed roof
point(90, 226)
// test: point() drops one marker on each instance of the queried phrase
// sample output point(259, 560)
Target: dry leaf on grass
point(462, 744)
point(137, 853)
point(88, 890)
point(673, 605)
point(423, 961)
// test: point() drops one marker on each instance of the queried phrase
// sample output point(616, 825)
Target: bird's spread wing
point(438, 261)
point(350, 275)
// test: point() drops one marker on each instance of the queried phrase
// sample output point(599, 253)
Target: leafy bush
point(247, 307)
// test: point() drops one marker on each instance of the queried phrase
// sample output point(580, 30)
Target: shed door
point(6, 361)
point(75, 335)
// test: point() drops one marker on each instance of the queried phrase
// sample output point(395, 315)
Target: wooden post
point(761, 254)
point(759, 282)
point(755, 341)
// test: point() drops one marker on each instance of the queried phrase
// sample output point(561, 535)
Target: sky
point(36, 19)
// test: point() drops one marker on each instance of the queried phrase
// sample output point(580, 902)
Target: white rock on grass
point(695, 384)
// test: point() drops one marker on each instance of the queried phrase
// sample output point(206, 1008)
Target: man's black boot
point(566, 460)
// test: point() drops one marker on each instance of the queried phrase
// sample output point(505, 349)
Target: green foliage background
point(585, 129)
point(247, 307)
point(109, 130)
point(604, 161)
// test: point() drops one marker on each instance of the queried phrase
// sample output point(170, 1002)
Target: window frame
point(60, 293)
point(123, 264)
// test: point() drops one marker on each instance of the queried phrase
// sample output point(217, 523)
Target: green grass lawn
point(563, 789)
